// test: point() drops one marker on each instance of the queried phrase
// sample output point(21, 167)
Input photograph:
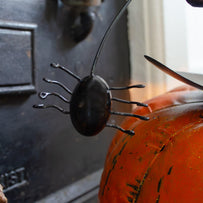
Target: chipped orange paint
point(163, 161)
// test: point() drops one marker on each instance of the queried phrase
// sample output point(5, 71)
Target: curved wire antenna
point(130, 114)
point(129, 102)
point(57, 83)
point(128, 87)
point(44, 95)
point(116, 18)
point(129, 132)
point(42, 106)
point(54, 65)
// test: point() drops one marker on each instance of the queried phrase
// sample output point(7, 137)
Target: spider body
point(90, 105)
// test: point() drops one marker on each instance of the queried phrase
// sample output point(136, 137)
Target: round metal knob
point(81, 18)
point(81, 25)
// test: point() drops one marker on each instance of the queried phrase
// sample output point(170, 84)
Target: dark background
point(44, 142)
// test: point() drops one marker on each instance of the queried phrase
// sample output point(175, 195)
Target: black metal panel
point(17, 56)
point(44, 143)
point(80, 191)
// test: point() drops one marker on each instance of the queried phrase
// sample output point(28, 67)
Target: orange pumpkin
point(163, 161)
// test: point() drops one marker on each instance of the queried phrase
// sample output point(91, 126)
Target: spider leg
point(129, 102)
point(128, 87)
point(129, 132)
point(44, 95)
point(130, 114)
point(57, 83)
point(54, 65)
point(42, 106)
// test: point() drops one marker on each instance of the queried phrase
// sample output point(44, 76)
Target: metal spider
point(91, 100)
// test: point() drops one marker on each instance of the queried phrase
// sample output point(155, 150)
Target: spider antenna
point(116, 18)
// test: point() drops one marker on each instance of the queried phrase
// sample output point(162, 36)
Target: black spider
point(90, 103)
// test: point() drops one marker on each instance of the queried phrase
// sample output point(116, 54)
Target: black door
point(43, 158)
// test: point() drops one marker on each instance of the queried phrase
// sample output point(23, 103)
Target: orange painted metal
point(163, 161)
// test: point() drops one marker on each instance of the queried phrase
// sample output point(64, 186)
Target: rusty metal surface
point(162, 156)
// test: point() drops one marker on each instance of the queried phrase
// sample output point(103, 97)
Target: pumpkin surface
point(163, 161)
